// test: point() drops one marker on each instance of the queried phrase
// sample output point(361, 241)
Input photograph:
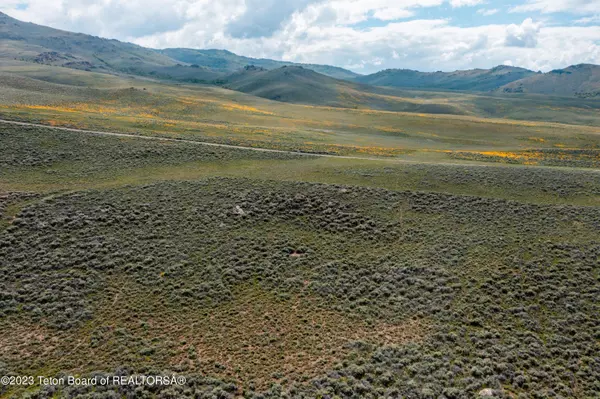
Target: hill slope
point(293, 84)
point(581, 80)
point(40, 44)
point(473, 80)
point(29, 42)
point(227, 61)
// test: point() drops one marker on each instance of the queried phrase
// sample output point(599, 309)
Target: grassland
point(205, 113)
point(46, 161)
point(268, 285)
point(125, 255)
point(459, 260)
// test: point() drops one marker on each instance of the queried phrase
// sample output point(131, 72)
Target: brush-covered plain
point(304, 290)
point(133, 256)
point(458, 258)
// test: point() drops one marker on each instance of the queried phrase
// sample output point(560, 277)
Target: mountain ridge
point(581, 80)
point(29, 42)
point(226, 60)
point(471, 79)
point(26, 41)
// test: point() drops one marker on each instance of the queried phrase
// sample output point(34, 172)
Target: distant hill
point(40, 44)
point(227, 61)
point(581, 80)
point(278, 80)
point(29, 42)
point(470, 80)
point(293, 84)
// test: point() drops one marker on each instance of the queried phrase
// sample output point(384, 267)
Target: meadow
point(47, 161)
point(212, 114)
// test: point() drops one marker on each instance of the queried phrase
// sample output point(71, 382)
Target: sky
point(361, 35)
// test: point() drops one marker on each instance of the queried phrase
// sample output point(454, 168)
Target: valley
point(267, 229)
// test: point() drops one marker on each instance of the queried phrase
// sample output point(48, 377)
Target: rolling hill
point(468, 80)
point(293, 84)
point(43, 45)
point(388, 90)
point(581, 80)
point(299, 85)
point(30, 42)
point(227, 61)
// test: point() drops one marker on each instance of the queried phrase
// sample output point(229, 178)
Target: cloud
point(365, 35)
point(391, 14)
point(487, 12)
point(553, 6)
point(465, 3)
point(132, 18)
point(349, 12)
point(524, 35)
point(263, 17)
point(594, 19)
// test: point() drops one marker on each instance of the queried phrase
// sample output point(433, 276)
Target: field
point(455, 256)
point(207, 113)
point(406, 280)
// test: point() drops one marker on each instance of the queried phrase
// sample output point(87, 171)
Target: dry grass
point(241, 107)
point(257, 338)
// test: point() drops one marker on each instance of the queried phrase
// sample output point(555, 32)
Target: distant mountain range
point(35, 43)
point(278, 80)
point(474, 79)
point(578, 80)
point(227, 61)
point(581, 80)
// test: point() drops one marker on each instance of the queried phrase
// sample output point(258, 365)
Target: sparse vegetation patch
point(415, 293)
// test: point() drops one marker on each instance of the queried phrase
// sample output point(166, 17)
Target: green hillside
point(227, 61)
point(288, 84)
point(128, 256)
point(43, 45)
point(299, 85)
point(581, 80)
point(469, 80)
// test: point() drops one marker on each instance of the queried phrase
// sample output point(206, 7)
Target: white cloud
point(524, 35)
point(324, 31)
point(390, 14)
point(263, 17)
point(594, 19)
point(486, 12)
point(110, 18)
point(349, 12)
point(465, 3)
point(552, 6)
